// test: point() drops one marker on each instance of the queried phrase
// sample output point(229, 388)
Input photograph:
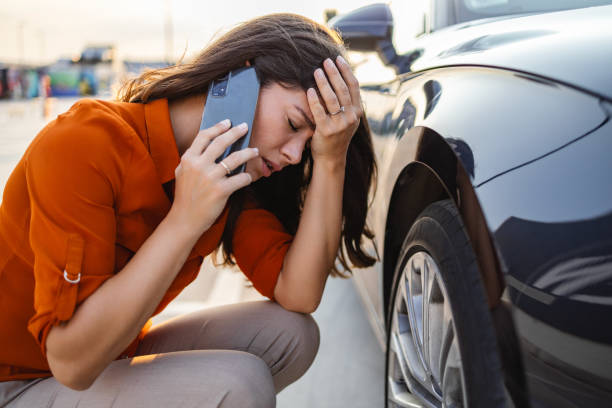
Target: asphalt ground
point(349, 368)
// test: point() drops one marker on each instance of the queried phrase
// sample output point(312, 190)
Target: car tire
point(441, 344)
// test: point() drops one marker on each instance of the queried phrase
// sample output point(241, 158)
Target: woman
point(113, 206)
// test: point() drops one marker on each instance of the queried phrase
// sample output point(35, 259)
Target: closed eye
point(291, 125)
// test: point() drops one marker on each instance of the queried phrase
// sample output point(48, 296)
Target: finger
point(327, 93)
point(240, 157)
point(318, 112)
point(351, 82)
point(236, 159)
point(222, 142)
point(204, 137)
point(337, 82)
point(233, 183)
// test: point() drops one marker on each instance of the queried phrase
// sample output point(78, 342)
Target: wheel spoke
point(414, 304)
point(405, 290)
point(436, 324)
point(408, 340)
point(425, 285)
point(398, 394)
point(401, 398)
point(406, 349)
point(415, 301)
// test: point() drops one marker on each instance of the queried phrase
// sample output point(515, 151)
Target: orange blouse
point(89, 190)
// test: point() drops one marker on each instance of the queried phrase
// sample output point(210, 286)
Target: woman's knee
point(306, 331)
point(296, 353)
point(301, 329)
point(250, 385)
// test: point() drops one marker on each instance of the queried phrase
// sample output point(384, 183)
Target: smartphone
point(233, 97)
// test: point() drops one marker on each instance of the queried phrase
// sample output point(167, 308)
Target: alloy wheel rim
point(424, 359)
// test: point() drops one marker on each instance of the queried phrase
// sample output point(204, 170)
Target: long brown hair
point(285, 49)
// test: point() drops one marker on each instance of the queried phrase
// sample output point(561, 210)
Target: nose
point(292, 150)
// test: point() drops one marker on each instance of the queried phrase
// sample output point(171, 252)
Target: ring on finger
point(338, 111)
point(227, 169)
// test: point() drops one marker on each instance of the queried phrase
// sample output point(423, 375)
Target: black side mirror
point(370, 28)
point(363, 28)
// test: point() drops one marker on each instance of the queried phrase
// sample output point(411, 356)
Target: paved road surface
point(349, 368)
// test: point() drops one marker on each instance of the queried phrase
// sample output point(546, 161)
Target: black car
point(493, 210)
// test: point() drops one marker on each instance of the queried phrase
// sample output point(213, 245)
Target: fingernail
point(319, 72)
point(250, 177)
point(256, 151)
point(226, 122)
point(243, 125)
point(310, 92)
point(342, 60)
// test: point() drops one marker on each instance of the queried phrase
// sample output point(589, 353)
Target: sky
point(42, 31)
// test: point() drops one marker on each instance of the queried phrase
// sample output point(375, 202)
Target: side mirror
point(370, 28)
point(363, 28)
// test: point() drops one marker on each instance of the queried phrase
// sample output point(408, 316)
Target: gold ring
point(227, 169)
point(338, 111)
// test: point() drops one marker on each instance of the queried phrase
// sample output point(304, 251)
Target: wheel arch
point(437, 173)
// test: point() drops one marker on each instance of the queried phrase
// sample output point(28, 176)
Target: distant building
point(99, 69)
point(96, 71)
point(19, 80)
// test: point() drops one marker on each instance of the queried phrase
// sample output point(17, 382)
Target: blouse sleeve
point(73, 170)
point(260, 244)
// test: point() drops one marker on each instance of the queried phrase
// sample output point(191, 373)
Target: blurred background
point(87, 48)
point(54, 52)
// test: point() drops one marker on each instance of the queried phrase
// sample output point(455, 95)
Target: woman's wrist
point(182, 229)
point(330, 164)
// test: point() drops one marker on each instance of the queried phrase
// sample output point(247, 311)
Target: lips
point(269, 167)
point(266, 167)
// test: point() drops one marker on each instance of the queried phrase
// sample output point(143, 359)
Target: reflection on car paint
point(486, 42)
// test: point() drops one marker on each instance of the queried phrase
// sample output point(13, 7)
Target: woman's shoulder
point(109, 110)
point(101, 117)
point(89, 127)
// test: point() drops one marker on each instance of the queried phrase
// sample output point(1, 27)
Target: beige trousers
point(238, 355)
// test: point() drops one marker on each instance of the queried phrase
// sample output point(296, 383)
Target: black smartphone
point(233, 97)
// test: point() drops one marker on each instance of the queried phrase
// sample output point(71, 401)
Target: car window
point(411, 19)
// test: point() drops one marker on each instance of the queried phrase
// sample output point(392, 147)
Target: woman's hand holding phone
point(202, 186)
point(337, 122)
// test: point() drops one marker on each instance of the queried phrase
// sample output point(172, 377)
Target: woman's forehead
point(289, 98)
point(285, 92)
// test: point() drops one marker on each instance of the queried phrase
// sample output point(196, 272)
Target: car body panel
point(543, 44)
point(552, 224)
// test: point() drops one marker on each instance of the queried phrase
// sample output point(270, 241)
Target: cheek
point(267, 133)
point(258, 131)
